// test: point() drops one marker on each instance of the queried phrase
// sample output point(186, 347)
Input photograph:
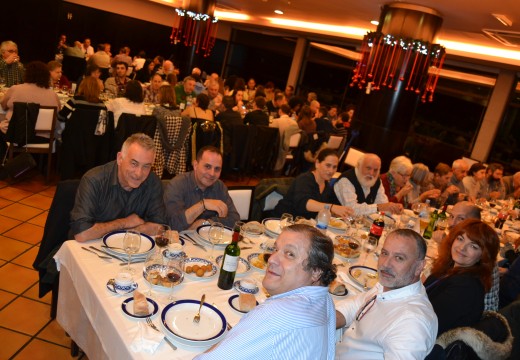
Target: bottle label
point(230, 263)
point(376, 230)
point(321, 226)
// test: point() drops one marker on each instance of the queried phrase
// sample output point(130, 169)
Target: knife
point(194, 242)
point(136, 261)
point(106, 253)
point(170, 343)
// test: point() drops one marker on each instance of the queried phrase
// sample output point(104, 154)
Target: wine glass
point(359, 222)
point(65, 90)
point(131, 245)
point(174, 274)
point(416, 208)
point(285, 220)
point(216, 234)
point(163, 237)
point(152, 267)
point(369, 245)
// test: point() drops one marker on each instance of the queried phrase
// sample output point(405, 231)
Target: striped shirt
point(299, 324)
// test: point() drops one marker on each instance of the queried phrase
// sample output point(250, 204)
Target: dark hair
point(260, 91)
point(411, 234)
point(296, 101)
point(494, 167)
point(53, 64)
point(240, 84)
point(286, 109)
point(322, 155)
point(321, 252)
point(442, 169)
point(323, 110)
point(260, 102)
point(203, 101)
point(134, 91)
point(208, 148)
point(114, 65)
point(167, 95)
point(478, 232)
point(228, 102)
point(476, 167)
point(91, 68)
point(279, 96)
point(36, 72)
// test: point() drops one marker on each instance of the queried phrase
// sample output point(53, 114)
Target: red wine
point(173, 277)
point(230, 262)
point(353, 245)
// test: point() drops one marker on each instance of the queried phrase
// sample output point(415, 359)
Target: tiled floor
point(26, 329)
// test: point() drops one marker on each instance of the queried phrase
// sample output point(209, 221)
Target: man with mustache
point(360, 188)
point(394, 319)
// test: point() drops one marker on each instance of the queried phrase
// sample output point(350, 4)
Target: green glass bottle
point(230, 261)
point(428, 232)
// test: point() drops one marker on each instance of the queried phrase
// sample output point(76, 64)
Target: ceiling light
point(279, 12)
point(374, 22)
point(231, 15)
point(503, 19)
point(344, 30)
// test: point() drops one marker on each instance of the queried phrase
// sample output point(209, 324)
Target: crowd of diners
point(403, 316)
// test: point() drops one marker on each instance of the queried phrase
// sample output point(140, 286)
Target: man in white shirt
point(395, 319)
point(361, 189)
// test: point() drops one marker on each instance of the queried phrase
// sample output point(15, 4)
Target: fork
point(193, 242)
point(95, 253)
point(196, 318)
point(152, 325)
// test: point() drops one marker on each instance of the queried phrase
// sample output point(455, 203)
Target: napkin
point(146, 339)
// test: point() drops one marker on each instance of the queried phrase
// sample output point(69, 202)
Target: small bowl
point(124, 279)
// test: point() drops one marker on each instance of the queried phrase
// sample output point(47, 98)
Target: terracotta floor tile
point(27, 258)
point(4, 202)
point(9, 248)
point(2, 262)
point(55, 334)
point(32, 293)
point(11, 342)
point(26, 232)
point(14, 194)
point(25, 315)
point(38, 201)
point(5, 298)
point(17, 279)
point(34, 185)
point(50, 191)
point(7, 223)
point(40, 219)
point(20, 212)
point(42, 350)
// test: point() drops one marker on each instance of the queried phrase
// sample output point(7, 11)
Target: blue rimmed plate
point(128, 308)
point(203, 233)
point(363, 276)
point(233, 301)
point(177, 319)
point(174, 255)
point(243, 265)
point(114, 244)
point(240, 288)
point(208, 275)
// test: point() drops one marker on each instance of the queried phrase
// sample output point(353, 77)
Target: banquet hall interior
point(475, 110)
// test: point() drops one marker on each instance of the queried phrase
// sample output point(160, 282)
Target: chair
point(242, 197)
point(44, 128)
point(129, 124)
point(291, 159)
point(335, 142)
point(353, 156)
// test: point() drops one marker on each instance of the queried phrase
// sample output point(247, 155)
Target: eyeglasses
point(368, 305)
point(404, 175)
point(11, 51)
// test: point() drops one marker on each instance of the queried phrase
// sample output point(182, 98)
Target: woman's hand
point(342, 211)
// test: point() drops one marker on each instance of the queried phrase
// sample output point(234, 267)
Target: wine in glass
point(152, 268)
point(131, 245)
point(216, 235)
point(174, 274)
point(369, 245)
point(163, 237)
point(286, 220)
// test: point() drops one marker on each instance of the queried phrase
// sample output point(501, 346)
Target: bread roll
point(140, 304)
point(246, 302)
point(337, 288)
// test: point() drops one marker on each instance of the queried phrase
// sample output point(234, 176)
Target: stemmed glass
point(286, 220)
point(174, 274)
point(164, 236)
point(369, 245)
point(65, 90)
point(152, 266)
point(131, 244)
point(216, 234)
point(359, 222)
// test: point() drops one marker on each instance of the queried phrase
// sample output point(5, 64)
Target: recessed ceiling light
point(279, 12)
point(374, 22)
point(503, 19)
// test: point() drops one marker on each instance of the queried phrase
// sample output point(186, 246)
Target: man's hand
point(12, 58)
point(216, 205)
point(394, 208)
point(342, 211)
point(132, 221)
point(452, 189)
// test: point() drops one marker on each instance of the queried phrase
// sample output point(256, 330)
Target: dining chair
point(44, 128)
point(291, 163)
point(353, 156)
point(335, 142)
point(242, 197)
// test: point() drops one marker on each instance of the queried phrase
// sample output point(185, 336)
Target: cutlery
point(187, 237)
point(112, 247)
point(229, 327)
point(196, 318)
point(365, 287)
point(112, 282)
point(133, 262)
point(105, 253)
point(246, 248)
point(152, 325)
point(95, 253)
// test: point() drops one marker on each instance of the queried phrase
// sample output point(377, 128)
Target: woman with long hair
point(131, 103)
point(199, 109)
point(462, 274)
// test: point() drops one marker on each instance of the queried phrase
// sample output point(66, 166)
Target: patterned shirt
point(491, 298)
point(12, 73)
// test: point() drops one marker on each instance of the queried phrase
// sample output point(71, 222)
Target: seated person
point(394, 319)
point(421, 181)
point(473, 182)
point(462, 274)
point(297, 320)
point(151, 92)
point(310, 191)
point(117, 83)
point(360, 188)
point(257, 116)
point(512, 185)
point(492, 186)
point(194, 197)
point(121, 194)
point(131, 103)
point(441, 181)
point(396, 180)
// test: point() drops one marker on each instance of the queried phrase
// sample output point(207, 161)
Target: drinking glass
point(369, 245)
point(359, 222)
point(131, 244)
point(65, 90)
point(416, 208)
point(174, 274)
point(152, 266)
point(163, 237)
point(286, 220)
point(216, 234)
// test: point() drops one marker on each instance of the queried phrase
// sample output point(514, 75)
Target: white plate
point(161, 269)
point(128, 308)
point(116, 290)
point(235, 305)
point(115, 239)
point(239, 288)
point(272, 226)
point(199, 261)
point(337, 224)
point(256, 262)
point(359, 275)
point(177, 319)
point(203, 233)
point(243, 265)
point(341, 295)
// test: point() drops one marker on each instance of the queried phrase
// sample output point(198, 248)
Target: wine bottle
point(428, 232)
point(230, 261)
point(377, 227)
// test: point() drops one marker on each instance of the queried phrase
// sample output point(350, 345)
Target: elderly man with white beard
point(360, 188)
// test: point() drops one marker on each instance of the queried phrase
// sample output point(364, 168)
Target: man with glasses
point(394, 319)
point(11, 69)
point(460, 169)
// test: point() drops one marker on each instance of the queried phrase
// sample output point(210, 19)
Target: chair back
point(242, 197)
point(353, 156)
point(334, 142)
point(46, 119)
point(294, 140)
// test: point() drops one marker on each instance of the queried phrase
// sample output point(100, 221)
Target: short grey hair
point(401, 163)
point(143, 140)
point(457, 164)
point(411, 234)
point(6, 44)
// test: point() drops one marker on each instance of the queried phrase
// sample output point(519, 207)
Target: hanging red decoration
point(194, 29)
point(387, 61)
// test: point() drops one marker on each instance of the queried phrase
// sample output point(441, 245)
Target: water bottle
point(323, 218)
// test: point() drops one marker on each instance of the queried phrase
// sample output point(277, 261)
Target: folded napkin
point(146, 339)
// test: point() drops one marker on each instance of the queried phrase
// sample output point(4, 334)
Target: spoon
point(112, 282)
